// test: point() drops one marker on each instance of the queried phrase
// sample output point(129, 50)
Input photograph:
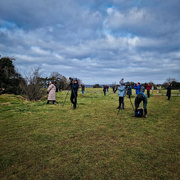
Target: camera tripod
point(70, 88)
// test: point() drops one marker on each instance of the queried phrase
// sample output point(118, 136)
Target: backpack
point(139, 113)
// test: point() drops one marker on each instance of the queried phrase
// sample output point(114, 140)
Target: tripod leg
point(65, 98)
point(121, 113)
point(118, 112)
point(131, 104)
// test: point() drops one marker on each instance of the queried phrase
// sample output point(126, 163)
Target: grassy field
point(39, 141)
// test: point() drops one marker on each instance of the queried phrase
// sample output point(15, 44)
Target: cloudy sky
point(98, 41)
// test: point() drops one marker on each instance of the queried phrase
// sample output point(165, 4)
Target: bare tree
point(32, 88)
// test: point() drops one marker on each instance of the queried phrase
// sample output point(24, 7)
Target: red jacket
point(148, 87)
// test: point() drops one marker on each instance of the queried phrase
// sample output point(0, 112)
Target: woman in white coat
point(51, 93)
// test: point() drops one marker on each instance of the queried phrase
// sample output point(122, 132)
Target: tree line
point(33, 85)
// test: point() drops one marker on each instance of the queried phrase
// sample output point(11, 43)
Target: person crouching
point(141, 97)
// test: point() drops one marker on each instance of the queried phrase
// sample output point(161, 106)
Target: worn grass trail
point(40, 141)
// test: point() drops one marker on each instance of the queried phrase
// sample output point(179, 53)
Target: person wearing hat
point(74, 91)
point(121, 94)
point(141, 97)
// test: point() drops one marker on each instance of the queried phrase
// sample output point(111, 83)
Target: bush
point(97, 86)
point(32, 88)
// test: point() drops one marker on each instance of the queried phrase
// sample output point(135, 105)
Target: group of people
point(74, 86)
point(140, 95)
point(122, 89)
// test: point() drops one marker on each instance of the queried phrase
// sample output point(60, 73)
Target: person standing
point(82, 88)
point(56, 87)
point(104, 90)
point(137, 87)
point(113, 87)
point(168, 91)
point(51, 93)
point(141, 97)
point(129, 90)
point(121, 94)
point(107, 87)
point(148, 87)
point(74, 91)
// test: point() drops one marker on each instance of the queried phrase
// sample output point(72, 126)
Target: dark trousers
point(52, 101)
point(169, 97)
point(148, 93)
point(74, 98)
point(121, 101)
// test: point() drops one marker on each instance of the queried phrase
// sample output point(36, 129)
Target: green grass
point(40, 141)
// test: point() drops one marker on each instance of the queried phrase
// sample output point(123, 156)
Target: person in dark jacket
point(56, 87)
point(141, 97)
point(148, 87)
point(74, 91)
point(104, 89)
point(168, 91)
point(113, 87)
point(129, 90)
point(82, 88)
point(121, 94)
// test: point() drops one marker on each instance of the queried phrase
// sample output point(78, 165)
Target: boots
point(74, 107)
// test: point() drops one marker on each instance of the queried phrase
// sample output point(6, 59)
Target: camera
point(71, 79)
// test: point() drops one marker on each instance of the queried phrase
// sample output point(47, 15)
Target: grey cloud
point(97, 42)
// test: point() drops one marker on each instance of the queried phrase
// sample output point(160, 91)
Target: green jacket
point(145, 101)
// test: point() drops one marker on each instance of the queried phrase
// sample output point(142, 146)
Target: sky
point(97, 41)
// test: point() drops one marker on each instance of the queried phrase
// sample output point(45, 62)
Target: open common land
point(39, 141)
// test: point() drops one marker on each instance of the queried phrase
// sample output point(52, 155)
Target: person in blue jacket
point(141, 97)
point(121, 94)
point(137, 87)
point(74, 91)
